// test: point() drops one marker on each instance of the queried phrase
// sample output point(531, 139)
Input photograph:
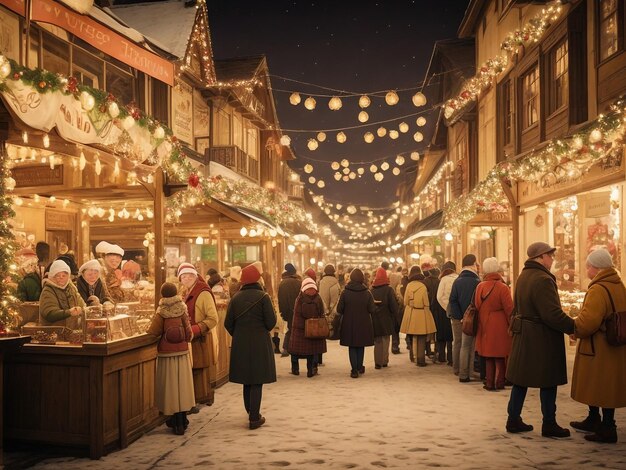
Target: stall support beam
point(159, 235)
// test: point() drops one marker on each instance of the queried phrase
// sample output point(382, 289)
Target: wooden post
point(510, 192)
point(159, 235)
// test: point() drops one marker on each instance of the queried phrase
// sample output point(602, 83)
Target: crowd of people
point(518, 340)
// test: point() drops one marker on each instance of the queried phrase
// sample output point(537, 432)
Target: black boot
point(276, 341)
point(554, 430)
point(179, 427)
point(605, 433)
point(590, 424)
point(516, 425)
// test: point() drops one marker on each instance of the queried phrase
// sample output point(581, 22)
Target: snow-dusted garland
point(563, 159)
point(531, 32)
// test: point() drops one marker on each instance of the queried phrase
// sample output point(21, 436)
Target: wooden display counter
point(94, 398)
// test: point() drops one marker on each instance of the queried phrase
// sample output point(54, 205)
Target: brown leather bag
point(615, 324)
point(469, 324)
point(200, 352)
point(316, 328)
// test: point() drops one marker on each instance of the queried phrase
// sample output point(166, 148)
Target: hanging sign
point(182, 112)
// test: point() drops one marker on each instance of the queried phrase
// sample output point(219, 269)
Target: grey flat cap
point(537, 249)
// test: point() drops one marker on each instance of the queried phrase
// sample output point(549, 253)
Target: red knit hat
point(311, 273)
point(250, 274)
point(186, 268)
point(381, 278)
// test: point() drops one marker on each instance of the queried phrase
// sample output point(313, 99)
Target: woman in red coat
point(495, 304)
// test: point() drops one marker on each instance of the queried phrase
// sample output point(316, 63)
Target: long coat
point(599, 377)
point(329, 292)
point(55, 304)
point(307, 306)
point(356, 304)
point(417, 319)
point(538, 352)
point(249, 319)
point(492, 339)
point(442, 322)
point(384, 318)
point(288, 292)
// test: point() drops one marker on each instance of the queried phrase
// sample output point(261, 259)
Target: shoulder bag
point(615, 324)
point(316, 328)
point(470, 317)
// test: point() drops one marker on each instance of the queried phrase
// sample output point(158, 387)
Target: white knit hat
point(490, 265)
point(600, 259)
point(58, 266)
point(308, 283)
point(235, 272)
point(186, 268)
point(91, 264)
point(109, 248)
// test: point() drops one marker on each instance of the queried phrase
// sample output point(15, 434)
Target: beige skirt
point(174, 383)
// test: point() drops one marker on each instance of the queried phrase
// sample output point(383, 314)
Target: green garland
point(8, 246)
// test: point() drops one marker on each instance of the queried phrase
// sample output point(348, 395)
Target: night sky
point(358, 47)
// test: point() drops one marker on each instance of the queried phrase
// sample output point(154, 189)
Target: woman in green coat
point(599, 378)
point(29, 287)
point(249, 319)
point(60, 303)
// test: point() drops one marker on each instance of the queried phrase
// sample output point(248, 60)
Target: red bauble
point(42, 84)
point(465, 94)
point(193, 180)
point(174, 138)
point(481, 203)
point(72, 84)
point(16, 76)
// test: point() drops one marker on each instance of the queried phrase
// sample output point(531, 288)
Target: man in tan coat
point(599, 378)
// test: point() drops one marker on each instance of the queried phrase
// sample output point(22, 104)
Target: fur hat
point(381, 277)
point(91, 264)
point(308, 283)
point(290, 268)
point(168, 290)
point(58, 266)
point(250, 274)
point(186, 268)
point(490, 265)
point(600, 259)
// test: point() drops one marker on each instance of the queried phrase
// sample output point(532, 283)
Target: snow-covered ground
point(401, 416)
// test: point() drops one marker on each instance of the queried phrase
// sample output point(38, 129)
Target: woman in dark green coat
point(249, 319)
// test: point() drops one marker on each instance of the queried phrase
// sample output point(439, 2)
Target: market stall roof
point(255, 216)
point(427, 227)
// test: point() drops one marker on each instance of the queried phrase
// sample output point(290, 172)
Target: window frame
point(534, 68)
point(552, 106)
point(621, 26)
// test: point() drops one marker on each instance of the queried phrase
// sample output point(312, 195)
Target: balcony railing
point(235, 159)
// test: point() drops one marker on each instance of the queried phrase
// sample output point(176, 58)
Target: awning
point(428, 227)
point(256, 217)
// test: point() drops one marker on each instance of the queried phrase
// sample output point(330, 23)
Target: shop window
point(160, 102)
point(88, 69)
point(237, 131)
point(120, 84)
point(558, 85)
point(609, 28)
point(55, 55)
point(530, 98)
point(252, 142)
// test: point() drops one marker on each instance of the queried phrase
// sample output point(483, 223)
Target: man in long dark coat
point(288, 291)
point(538, 353)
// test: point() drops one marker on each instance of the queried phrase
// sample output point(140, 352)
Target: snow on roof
point(169, 22)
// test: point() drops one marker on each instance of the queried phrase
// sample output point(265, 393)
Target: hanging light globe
point(399, 160)
point(360, 170)
point(295, 99)
point(346, 171)
point(321, 136)
point(335, 103)
point(392, 98)
point(312, 179)
point(363, 116)
point(352, 175)
point(345, 178)
point(285, 140)
point(364, 101)
point(418, 136)
point(373, 168)
point(341, 137)
point(308, 168)
point(379, 177)
point(404, 127)
point(421, 121)
point(338, 206)
point(381, 132)
point(419, 99)
point(415, 156)
point(396, 171)
point(321, 184)
point(312, 144)
point(394, 134)
point(384, 166)
point(368, 137)
point(337, 176)
point(345, 163)
point(351, 210)
point(310, 103)
point(334, 165)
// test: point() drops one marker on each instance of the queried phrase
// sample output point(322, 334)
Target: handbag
point(615, 324)
point(470, 317)
point(316, 328)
